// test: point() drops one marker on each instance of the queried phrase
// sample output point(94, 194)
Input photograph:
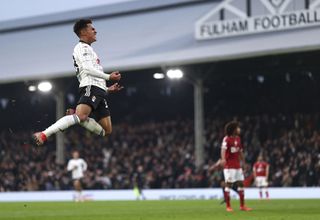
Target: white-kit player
point(92, 111)
point(77, 166)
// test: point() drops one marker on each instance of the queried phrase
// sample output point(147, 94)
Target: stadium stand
point(290, 142)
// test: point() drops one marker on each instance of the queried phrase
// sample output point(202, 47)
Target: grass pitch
point(156, 210)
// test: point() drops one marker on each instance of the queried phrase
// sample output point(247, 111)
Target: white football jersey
point(83, 54)
point(77, 166)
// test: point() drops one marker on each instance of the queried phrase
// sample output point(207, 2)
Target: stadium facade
point(174, 32)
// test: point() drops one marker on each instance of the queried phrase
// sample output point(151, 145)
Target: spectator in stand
point(290, 143)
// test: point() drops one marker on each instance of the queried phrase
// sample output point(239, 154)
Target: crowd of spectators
point(165, 150)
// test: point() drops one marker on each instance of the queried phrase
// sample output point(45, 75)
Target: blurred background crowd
point(165, 151)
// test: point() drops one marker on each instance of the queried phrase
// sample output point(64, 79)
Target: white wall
point(161, 194)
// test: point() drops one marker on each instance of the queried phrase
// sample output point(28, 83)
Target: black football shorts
point(96, 98)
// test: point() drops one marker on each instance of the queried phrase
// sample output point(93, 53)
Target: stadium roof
point(132, 35)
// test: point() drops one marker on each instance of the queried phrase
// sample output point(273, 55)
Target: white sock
point(78, 196)
point(62, 124)
point(93, 126)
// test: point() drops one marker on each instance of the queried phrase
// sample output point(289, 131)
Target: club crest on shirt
point(93, 99)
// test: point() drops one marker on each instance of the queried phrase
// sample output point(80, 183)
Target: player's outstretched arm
point(216, 166)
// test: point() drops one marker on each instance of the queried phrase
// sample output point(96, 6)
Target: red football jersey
point(233, 148)
point(260, 168)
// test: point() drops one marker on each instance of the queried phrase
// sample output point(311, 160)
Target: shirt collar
point(84, 42)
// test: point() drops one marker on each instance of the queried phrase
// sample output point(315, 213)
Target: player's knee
point(82, 117)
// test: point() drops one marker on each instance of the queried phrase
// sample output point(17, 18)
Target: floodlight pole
point(198, 122)
point(60, 107)
point(197, 83)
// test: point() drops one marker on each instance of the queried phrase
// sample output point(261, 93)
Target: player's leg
point(228, 177)
point(260, 193)
point(227, 196)
point(81, 117)
point(103, 116)
point(265, 186)
point(266, 192)
point(223, 186)
point(241, 192)
point(258, 185)
point(241, 196)
point(235, 188)
point(239, 178)
point(78, 189)
point(62, 124)
point(106, 124)
point(136, 191)
point(141, 192)
point(83, 111)
point(87, 102)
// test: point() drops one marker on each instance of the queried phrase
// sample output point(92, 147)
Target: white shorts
point(233, 175)
point(261, 181)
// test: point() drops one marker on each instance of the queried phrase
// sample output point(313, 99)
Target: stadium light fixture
point(260, 79)
point(45, 86)
point(158, 76)
point(174, 73)
point(32, 88)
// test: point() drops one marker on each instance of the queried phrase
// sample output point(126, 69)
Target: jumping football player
point(261, 173)
point(93, 88)
point(231, 158)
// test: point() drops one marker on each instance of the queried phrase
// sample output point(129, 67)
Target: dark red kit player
point(231, 158)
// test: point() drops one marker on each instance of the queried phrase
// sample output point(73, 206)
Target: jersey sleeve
point(254, 166)
point(85, 165)
point(70, 166)
point(224, 144)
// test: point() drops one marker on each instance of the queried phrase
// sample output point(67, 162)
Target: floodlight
point(158, 76)
point(32, 88)
point(260, 79)
point(45, 86)
point(175, 73)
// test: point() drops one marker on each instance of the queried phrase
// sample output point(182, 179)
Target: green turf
point(155, 210)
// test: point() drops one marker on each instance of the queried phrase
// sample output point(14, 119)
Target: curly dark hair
point(80, 24)
point(230, 127)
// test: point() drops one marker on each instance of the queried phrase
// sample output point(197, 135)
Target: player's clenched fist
point(114, 88)
point(115, 76)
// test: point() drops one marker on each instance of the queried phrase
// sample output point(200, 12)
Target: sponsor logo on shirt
point(234, 149)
